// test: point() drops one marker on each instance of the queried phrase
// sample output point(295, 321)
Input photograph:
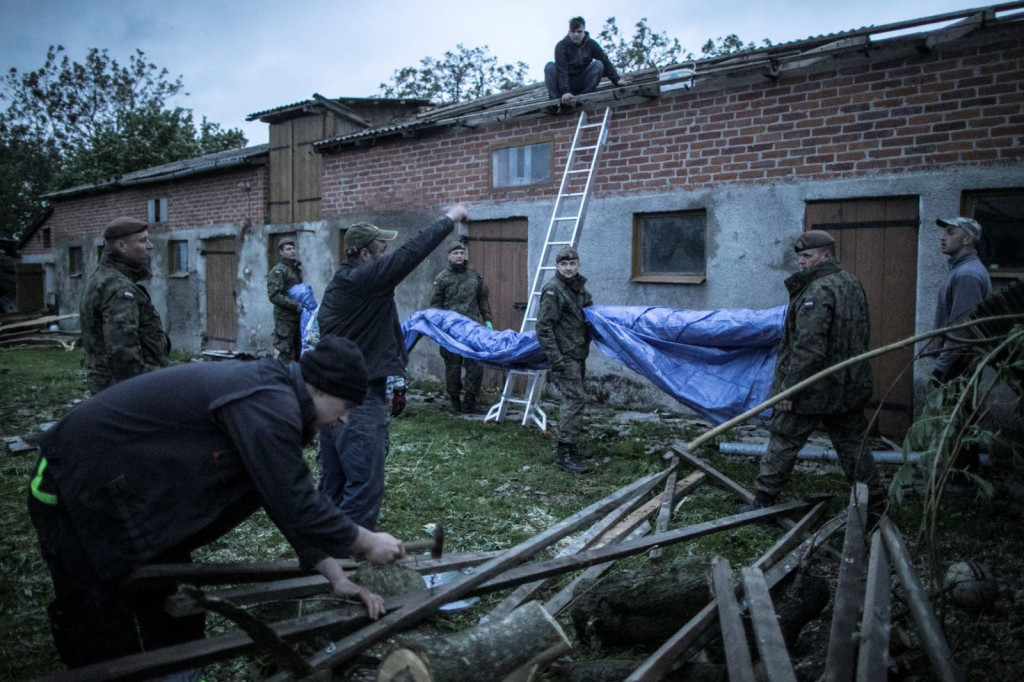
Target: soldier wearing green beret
point(121, 330)
point(460, 288)
point(826, 323)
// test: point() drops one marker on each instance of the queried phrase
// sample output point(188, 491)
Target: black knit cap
point(336, 367)
point(122, 227)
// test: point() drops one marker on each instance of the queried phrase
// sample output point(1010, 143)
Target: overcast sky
point(238, 58)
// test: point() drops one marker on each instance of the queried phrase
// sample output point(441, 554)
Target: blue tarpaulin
point(718, 363)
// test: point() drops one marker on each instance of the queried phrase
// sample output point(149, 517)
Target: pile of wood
point(36, 331)
point(674, 610)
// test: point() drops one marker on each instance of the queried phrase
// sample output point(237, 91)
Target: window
point(177, 257)
point(1001, 215)
point(157, 209)
point(669, 247)
point(75, 262)
point(47, 243)
point(518, 166)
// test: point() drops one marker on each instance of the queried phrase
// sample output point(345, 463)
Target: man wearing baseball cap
point(826, 322)
point(121, 330)
point(359, 304)
point(156, 466)
point(966, 285)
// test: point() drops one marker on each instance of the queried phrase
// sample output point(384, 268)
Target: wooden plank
point(563, 597)
point(524, 592)
point(767, 634)
point(929, 629)
point(683, 487)
point(873, 656)
point(734, 636)
point(665, 512)
point(678, 645)
point(35, 322)
point(842, 649)
point(683, 453)
point(344, 649)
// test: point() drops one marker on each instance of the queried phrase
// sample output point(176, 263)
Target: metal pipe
point(827, 454)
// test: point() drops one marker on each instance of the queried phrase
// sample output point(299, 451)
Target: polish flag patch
point(128, 296)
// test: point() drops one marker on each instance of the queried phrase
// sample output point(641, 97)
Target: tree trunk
point(612, 670)
point(515, 647)
point(642, 607)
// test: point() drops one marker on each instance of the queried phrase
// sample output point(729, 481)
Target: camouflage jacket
point(462, 289)
point(826, 323)
point(280, 279)
point(561, 326)
point(121, 330)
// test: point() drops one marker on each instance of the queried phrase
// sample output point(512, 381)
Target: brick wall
point(198, 201)
point(963, 105)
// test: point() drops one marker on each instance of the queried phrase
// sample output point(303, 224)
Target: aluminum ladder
point(563, 230)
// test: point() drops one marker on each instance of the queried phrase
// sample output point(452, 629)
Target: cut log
point(641, 607)
point(387, 580)
point(615, 670)
point(521, 643)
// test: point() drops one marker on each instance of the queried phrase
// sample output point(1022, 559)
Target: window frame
point(526, 144)
point(968, 199)
point(638, 275)
point(174, 264)
point(156, 210)
point(76, 261)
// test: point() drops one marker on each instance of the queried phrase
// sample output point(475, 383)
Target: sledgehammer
point(435, 544)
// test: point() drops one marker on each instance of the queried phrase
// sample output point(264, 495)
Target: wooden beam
point(683, 487)
point(344, 649)
point(876, 624)
point(665, 512)
point(783, 559)
point(682, 451)
point(929, 630)
point(842, 648)
point(734, 635)
point(767, 634)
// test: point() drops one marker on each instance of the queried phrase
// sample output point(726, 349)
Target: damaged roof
point(231, 158)
point(772, 62)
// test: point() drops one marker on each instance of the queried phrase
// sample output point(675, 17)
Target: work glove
point(398, 401)
point(488, 324)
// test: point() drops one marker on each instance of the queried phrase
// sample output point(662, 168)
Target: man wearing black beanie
point(155, 466)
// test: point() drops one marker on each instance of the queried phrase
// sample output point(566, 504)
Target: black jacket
point(571, 59)
point(359, 302)
point(176, 458)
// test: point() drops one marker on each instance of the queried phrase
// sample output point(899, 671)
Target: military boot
point(456, 404)
point(564, 460)
point(469, 405)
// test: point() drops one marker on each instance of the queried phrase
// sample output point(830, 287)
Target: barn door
point(497, 249)
point(876, 239)
point(221, 292)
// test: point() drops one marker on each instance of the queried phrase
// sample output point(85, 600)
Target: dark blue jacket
point(176, 458)
point(359, 302)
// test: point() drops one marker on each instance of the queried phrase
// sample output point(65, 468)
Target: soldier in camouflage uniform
point(563, 335)
point(287, 311)
point(121, 330)
point(826, 323)
point(461, 289)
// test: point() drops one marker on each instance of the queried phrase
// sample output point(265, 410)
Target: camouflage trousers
point(574, 398)
point(286, 340)
point(789, 433)
point(453, 366)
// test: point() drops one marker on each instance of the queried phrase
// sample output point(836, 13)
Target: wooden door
point(221, 292)
point(876, 239)
point(497, 249)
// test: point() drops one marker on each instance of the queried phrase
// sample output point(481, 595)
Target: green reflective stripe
point(44, 497)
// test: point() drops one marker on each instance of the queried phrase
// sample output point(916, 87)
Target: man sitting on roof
point(578, 67)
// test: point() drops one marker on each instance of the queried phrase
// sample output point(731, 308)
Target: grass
point(491, 485)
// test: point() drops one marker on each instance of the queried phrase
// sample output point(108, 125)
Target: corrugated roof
point(230, 158)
